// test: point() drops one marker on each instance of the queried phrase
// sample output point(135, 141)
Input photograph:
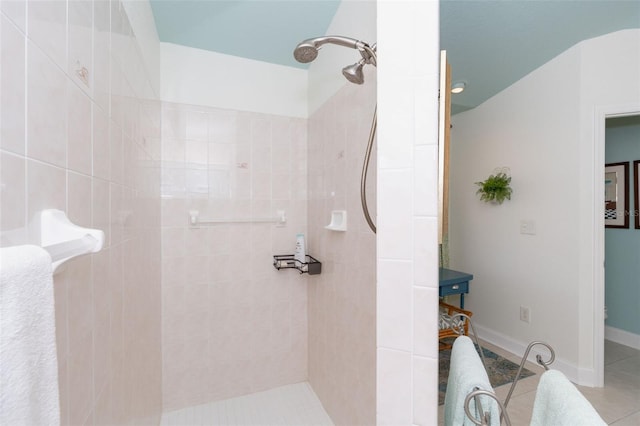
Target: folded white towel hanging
point(28, 359)
point(558, 402)
point(466, 374)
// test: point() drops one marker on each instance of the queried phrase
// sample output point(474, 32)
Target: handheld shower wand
point(307, 50)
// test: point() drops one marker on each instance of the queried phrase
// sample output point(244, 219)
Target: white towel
point(558, 402)
point(466, 373)
point(28, 362)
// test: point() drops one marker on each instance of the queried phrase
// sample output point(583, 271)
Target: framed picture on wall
point(616, 195)
point(636, 193)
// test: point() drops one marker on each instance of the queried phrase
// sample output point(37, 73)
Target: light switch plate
point(528, 227)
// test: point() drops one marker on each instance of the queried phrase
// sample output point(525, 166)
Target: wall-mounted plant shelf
point(286, 261)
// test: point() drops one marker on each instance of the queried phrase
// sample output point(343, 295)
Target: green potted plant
point(495, 188)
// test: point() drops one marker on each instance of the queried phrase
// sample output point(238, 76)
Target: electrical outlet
point(525, 314)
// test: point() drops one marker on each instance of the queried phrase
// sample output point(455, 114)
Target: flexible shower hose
point(365, 169)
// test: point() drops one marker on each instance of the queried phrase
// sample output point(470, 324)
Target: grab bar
point(280, 219)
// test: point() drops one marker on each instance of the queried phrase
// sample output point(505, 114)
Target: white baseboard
point(581, 376)
point(623, 337)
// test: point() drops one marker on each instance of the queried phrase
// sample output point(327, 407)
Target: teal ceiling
point(490, 43)
point(264, 30)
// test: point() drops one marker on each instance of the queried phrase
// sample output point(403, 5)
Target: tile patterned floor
point(618, 403)
point(291, 405)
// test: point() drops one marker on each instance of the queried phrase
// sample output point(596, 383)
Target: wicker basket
point(444, 333)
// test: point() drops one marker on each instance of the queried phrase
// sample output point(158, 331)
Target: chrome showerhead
point(305, 52)
point(353, 73)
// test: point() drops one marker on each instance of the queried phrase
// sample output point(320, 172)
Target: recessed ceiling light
point(458, 86)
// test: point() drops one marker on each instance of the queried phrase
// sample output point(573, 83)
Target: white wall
point(227, 81)
point(542, 128)
point(199, 77)
point(610, 68)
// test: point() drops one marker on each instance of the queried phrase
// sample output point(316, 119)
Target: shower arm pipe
point(367, 52)
point(337, 40)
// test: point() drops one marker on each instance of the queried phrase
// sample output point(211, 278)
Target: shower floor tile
point(291, 405)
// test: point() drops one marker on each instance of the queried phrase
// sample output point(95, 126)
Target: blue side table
point(454, 282)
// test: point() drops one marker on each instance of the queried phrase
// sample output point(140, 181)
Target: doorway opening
point(601, 117)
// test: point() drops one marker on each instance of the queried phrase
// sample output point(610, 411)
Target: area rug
point(500, 371)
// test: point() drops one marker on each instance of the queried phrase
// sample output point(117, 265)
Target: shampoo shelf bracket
point(287, 261)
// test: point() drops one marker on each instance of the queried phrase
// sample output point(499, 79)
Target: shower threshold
point(291, 405)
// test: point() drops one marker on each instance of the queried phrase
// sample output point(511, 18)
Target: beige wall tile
point(79, 200)
point(48, 28)
point(13, 218)
point(80, 48)
point(79, 143)
point(46, 108)
point(12, 83)
point(106, 376)
point(46, 187)
point(343, 298)
point(221, 276)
